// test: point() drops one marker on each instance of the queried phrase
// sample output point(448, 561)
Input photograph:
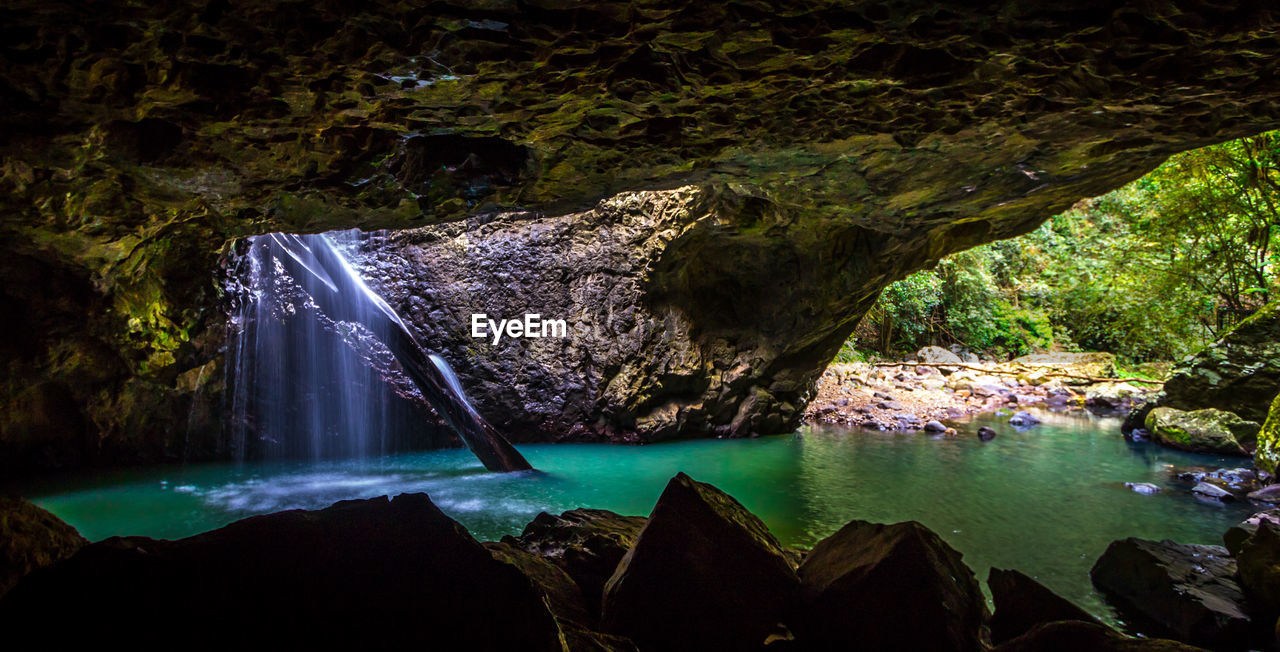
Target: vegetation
point(1152, 271)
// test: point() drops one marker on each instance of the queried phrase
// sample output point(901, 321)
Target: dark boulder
point(31, 538)
point(1137, 420)
point(564, 598)
point(1022, 604)
point(361, 573)
point(986, 434)
point(1235, 537)
point(1267, 494)
point(1077, 636)
point(1259, 568)
point(704, 574)
point(888, 587)
point(585, 543)
point(1185, 591)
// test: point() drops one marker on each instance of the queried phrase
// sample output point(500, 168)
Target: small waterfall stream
point(321, 366)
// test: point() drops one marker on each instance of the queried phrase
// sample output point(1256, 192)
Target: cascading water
point(313, 363)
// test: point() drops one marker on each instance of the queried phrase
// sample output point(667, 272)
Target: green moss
point(1267, 455)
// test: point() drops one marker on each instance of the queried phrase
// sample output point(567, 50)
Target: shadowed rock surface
point(1188, 591)
point(563, 596)
point(355, 573)
point(888, 587)
point(704, 574)
point(31, 538)
point(1259, 567)
point(586, 543)
point(1022, 604)
point(847, 145)
point(1235, 537)
point(1074, 636)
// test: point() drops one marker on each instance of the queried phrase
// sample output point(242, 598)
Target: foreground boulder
point(1022, 604)
point(31, 538)
point(361, 573)
point(888, 587)
point(1239, 373)
point(1077, 636)
point(1210, 431)
point(587, 544)
point(1259, 568)
point(563, 596)
point(1183, 590)
point(704, 574)
point(1235, 537)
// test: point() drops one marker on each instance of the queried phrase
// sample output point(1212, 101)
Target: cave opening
point(216, 404)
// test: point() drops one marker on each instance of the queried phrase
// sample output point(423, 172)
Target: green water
point(1046, 501)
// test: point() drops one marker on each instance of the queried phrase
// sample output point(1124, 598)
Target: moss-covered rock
point(1267, 455)
point(1239, 373)
point(1202, 431)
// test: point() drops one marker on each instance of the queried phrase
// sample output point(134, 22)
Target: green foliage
point(1151, 271)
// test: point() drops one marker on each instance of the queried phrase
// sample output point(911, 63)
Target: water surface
point(1047, 500)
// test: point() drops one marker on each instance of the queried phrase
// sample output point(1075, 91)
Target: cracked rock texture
point(850, 141)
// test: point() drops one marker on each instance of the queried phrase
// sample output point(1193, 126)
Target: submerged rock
point(31, 538)
point(1021, 604)
point(704, 574)
point(1078, 636)
point(1185, 590)
point(1143, 487)
point(888, 587)
point(986, 434)
point(361, 573)
point(585, 543)
point(1211, 491)
point(1238, 481)
point(1209, 431)
point(1023, 420)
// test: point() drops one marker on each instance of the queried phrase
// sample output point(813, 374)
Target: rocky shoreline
point(700, 572)
point(939, 385)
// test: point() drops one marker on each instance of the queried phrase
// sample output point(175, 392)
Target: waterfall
point(318, 361)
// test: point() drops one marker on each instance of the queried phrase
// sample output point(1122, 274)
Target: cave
point(711, 198)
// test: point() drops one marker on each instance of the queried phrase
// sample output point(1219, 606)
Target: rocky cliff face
point(853, 142)
point(677, 322)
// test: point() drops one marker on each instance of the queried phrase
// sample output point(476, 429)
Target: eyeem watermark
point(533, 325)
